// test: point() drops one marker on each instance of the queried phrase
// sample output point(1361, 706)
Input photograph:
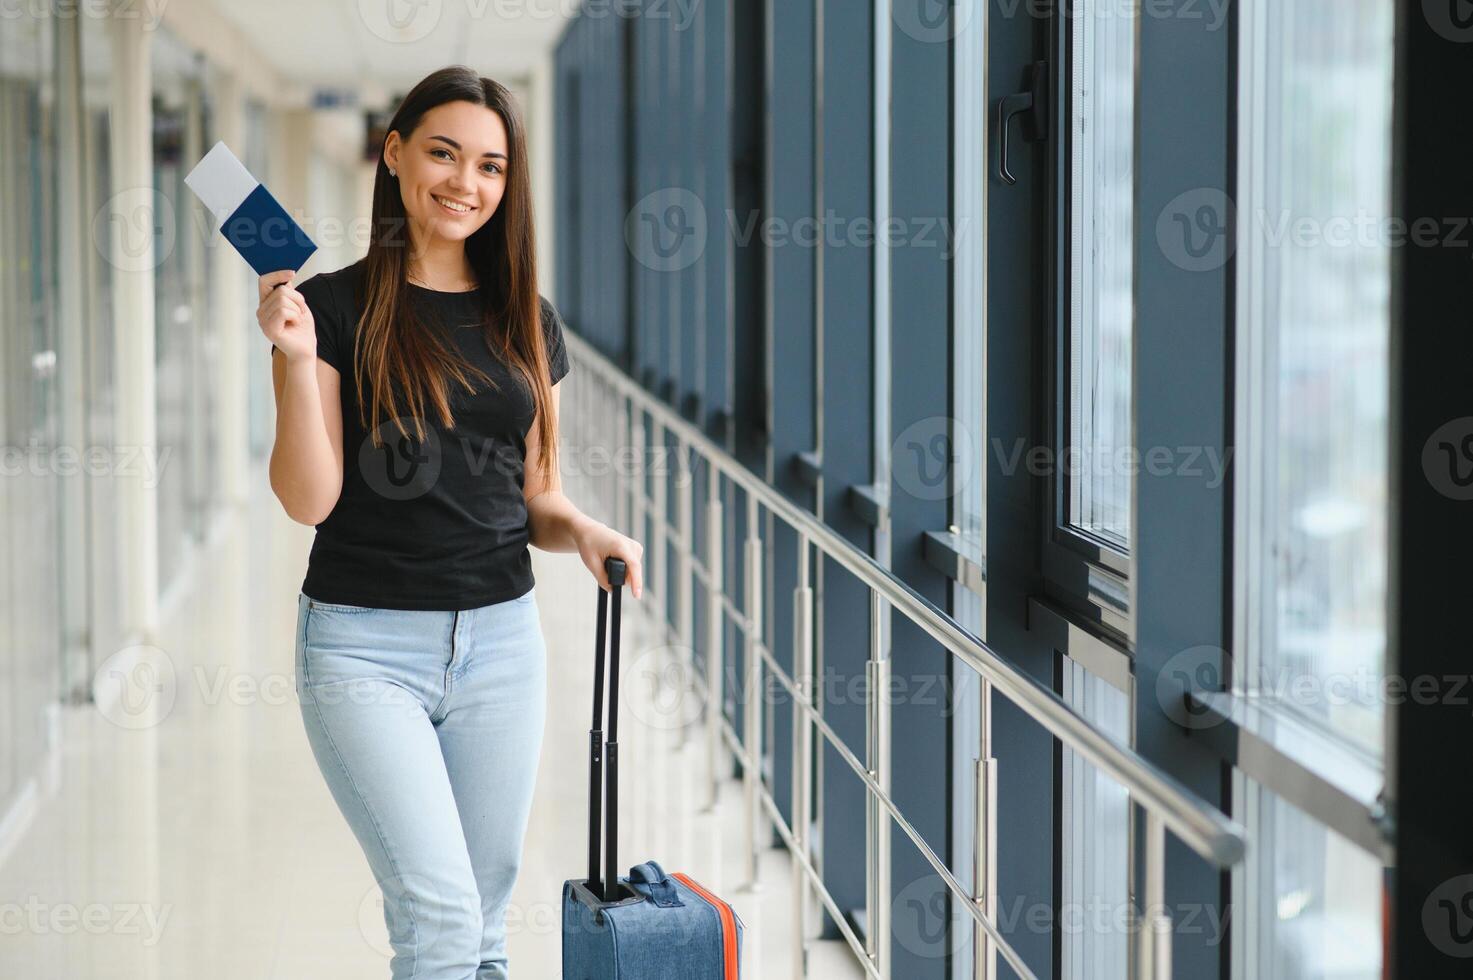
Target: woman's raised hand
point(284, 317)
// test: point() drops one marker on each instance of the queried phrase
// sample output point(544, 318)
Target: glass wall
point(1314, 286)
point(1314, 319)
point(179, 298)
point(35, 360)
point(1312, 899)
point(30, 613)
point(1183, 432)
point(100, 385)
point(1094, 940)
point(1101, 189)
point(262, 401)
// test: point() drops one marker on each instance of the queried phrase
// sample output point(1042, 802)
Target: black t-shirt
point(438, 524)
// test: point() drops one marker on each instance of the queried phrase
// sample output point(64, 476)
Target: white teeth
point(452, 205)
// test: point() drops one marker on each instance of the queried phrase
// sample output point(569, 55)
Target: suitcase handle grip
point(662, 892)
point(603, 761)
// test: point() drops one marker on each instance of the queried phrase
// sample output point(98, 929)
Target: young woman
point(417, 402)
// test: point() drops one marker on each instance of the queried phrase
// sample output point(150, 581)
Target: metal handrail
point(1200, 825)
point(1169, 805)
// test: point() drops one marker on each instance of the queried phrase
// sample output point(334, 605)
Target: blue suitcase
point(648, 925)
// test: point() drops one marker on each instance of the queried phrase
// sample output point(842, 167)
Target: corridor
point(1034, 426)
point(206, 844)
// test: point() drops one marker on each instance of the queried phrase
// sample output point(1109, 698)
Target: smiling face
point(452, 169)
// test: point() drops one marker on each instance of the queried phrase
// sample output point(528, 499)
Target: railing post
point(608, 430)
point(985, 862)
point(627, 414)
point(598, 434)
point(604, 426)
point(984, 839)
point(657, 574)
point(656, 600)
point(639, 502)
point(1153, 933)
point(628, 468)
point(877, 760)
point(684, 588)
point(752, 724)
point(715, 635)
point(802, 753)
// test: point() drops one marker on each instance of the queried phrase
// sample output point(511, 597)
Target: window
point(1314, 284)
point(1313, 289)
point(1102, 133)
point(1093, 482)
point(1313, 897)
point(1094, 936)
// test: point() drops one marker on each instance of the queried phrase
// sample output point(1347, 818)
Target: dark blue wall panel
point(920, 373)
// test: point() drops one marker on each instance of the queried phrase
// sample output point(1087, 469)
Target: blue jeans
point(427, 726)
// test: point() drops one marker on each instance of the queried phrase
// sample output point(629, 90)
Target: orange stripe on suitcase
point(728, 926)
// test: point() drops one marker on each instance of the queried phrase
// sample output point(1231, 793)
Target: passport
point(248, 216)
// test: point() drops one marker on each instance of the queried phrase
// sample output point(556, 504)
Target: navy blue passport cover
point(265, 235)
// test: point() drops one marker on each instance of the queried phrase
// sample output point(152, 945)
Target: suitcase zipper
point(728, 925)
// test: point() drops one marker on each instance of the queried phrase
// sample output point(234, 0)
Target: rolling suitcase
point(649, 925)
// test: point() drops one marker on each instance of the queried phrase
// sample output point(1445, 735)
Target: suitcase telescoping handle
point(597, 786)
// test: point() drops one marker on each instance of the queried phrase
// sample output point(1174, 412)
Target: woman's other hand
point(599, 541)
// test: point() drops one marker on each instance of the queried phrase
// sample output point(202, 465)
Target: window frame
point(1256, 412)
point(1082, 571)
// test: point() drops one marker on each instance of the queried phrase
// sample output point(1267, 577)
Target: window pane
point(1103, 128)
point(1314, 898)
point(1094, 937)
point(1314, 284)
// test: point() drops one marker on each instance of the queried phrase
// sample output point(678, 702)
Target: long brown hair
point(396, 357)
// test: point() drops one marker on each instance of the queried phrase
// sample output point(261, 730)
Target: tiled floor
point(206, 846)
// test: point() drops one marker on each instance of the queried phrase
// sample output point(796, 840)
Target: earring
point(391, 172)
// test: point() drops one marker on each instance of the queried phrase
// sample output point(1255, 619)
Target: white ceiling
point(380, 47)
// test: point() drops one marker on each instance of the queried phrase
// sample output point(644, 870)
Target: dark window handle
point(1032, 104)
